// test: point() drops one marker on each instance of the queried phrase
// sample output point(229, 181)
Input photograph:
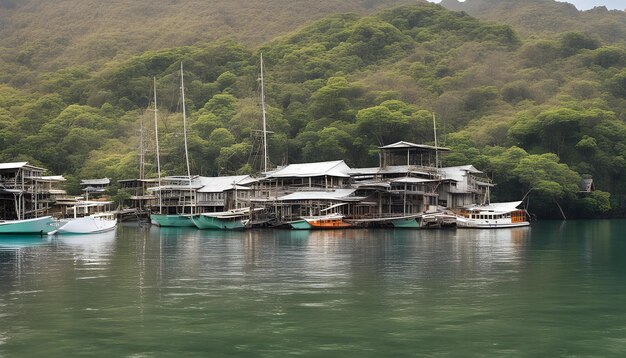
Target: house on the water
point(25, 192)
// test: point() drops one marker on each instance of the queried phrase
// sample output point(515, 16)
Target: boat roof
point(496, 207)
point(336, 168)
point(337, 194)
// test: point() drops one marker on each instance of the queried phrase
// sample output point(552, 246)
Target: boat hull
point(300, 225)
point(172, 220)
point(408, 223)
point(86, 225)
point(479, 224)
point(42, 225)
point(203, 222)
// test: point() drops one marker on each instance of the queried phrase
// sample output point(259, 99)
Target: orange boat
point(332, 221)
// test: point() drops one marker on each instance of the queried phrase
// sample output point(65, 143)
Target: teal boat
point(177, 220)
point(300, 225)
point(42, 225)
point(408, 223)
point(209, 222)
point(235, 219)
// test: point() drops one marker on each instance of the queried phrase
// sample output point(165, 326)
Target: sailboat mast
point(182, 93)
point(436, 148)
point(141, 150)
point(264, 119)
point(156, 135)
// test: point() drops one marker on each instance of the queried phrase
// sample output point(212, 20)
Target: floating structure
point(407, 190)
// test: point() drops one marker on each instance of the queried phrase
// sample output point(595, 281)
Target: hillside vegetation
point(547, 18)
point(535, 114)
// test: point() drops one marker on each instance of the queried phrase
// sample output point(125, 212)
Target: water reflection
point(91, 247)
point(181, 291)
point(10, 242)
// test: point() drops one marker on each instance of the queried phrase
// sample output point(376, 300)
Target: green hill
point(547, 18)
point(536, 113)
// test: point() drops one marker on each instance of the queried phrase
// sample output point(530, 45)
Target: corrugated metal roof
point(221, 184)
point(337, 168)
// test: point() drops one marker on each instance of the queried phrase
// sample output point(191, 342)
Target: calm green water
point(555, 289)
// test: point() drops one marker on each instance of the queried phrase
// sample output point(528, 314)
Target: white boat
point(92, 224)
point(40, 225)
point(493, 216)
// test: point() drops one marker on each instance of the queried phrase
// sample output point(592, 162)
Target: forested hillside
point(536, 114)
point(547, 18)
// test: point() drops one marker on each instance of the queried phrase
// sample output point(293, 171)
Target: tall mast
point(182, 92)
point(264, 121)
point(436, 148)
point(156, 135)
point(141, 150)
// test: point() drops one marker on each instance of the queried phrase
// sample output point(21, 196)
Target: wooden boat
point(493, 216)
point(438, 220)
point(330, 221)
point(93, 224)
point(42, 225)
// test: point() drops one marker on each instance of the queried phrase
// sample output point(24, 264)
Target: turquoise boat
point(42, 225)
point(177, 220)
point(300, 225)
point(408, 223)
point(208, 222)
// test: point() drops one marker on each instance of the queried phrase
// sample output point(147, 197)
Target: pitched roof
point(458, 173)
point(17, 165)
point(337, 168)
point(586, 185)
point(408, 145)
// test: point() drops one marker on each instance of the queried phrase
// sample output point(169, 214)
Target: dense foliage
point(536, 115)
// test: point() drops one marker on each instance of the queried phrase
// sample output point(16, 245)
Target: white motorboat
point(493, 216)
point(92, 224)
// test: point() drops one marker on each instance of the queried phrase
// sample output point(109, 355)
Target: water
point(555, 289)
